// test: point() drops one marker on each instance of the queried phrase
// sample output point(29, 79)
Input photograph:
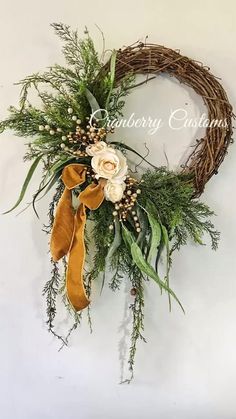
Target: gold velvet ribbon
point(68, 230)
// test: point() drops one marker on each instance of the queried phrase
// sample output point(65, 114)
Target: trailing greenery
point(102, 237)
point(51, 290)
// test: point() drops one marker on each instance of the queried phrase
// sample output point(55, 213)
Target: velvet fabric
point(67, 236)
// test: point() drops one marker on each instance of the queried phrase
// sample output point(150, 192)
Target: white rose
point(96, 148)
point(114, 191)
point(110, 164)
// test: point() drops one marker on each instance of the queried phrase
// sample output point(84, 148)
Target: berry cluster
point(75, 142)
point(125, 208)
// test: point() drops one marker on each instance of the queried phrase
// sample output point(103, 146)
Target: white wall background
point(187, 369)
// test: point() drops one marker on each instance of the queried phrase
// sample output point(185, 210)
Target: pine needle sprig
point(51, 290)
point(79, 53)
point(137, 309)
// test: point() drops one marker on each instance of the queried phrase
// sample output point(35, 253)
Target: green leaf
point(166, 239)
point(167, 246)
point(93, 104)
point(60, 164)
point(55, 172)
point(53, 179)
point(113, 67)
point(143, 265)
point(156, 233)
point(74, 201)
point(144, 226)
point(197, 238)
point(26, 183)
point(112, 75)
point(49, 184)
point(127, 236)
point(117, 240)
point(149, 271)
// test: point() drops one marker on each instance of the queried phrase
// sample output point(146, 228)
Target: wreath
point(101, 216)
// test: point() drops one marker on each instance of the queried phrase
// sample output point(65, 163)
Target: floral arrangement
point(135, 219)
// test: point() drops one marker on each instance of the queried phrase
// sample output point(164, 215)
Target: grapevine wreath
point(134, 220)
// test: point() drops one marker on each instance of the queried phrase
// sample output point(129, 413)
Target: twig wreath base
point(135, 220)
point(151, 59)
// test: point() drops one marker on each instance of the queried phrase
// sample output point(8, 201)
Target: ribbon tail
point(74, 276)
point(63, 227)
point(68, 232)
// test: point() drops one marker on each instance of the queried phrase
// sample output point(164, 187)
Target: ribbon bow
point(68, 230)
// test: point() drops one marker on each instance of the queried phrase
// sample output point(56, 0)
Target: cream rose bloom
point(110, 164)
point(96, 148)
point(114, 191)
